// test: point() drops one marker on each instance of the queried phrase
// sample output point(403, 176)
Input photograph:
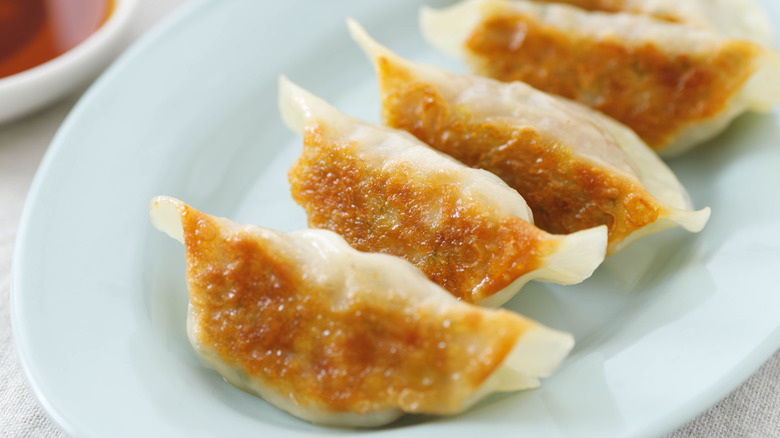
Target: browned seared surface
point(654, 93)
point(470, 252)
point(253, 307)
point(565, 193)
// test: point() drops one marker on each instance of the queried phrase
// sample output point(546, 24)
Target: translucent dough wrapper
point(385, 191)
point(676, 86)
point(742, 19)
point(575, 167)
point(340, 337)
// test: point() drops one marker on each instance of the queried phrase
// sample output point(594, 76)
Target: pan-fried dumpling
point(742, 19)
point(340, 337)
point(575, 168)
point(385, 191)
point(674, 85)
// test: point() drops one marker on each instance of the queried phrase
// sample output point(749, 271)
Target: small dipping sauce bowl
point(49, 48)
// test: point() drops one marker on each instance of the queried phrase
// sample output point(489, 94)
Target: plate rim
point(728, 383)
point(18, 258)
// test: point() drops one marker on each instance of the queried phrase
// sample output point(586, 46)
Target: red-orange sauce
point(655, 93)
point(36, 31)
point(255, 310)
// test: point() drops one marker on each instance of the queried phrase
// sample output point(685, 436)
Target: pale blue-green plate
point(664, 330)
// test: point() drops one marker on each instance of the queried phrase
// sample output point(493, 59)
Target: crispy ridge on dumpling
point(385, 191)
point(575, 168)
point(340, 337)
point(675, 86)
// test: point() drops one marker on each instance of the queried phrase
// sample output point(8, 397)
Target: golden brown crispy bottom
point(654, 93)
point(468, 251)
point(566, 194)
point(255, 309)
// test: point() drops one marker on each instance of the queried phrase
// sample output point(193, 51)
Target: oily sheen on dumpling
point(385, 191)
point(674, 85)
point(574, 167)
point(742, 19)
point(340, 337)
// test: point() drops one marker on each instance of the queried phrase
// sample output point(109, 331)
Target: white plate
point(664, 330)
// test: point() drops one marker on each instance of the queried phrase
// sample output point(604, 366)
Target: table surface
point(753, 410)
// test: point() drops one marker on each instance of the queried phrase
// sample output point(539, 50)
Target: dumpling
point(674, 85)
point(574, 167)
point(385, 191)
point(741, 19)
point(339, 337)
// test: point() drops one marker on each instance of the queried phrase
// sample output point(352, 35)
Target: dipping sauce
point(35, 31)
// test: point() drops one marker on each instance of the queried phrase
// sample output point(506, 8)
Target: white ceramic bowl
point(34, 88)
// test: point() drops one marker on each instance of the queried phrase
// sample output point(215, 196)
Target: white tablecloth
point(753, 410)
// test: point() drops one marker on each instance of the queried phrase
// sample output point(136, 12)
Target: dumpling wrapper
point(575, 167)
point(742, 19)
point(340, 337)
point(675, 86)
point(385, 191)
